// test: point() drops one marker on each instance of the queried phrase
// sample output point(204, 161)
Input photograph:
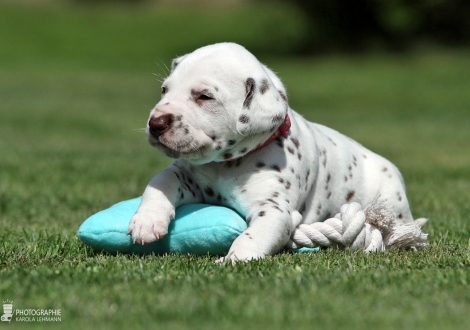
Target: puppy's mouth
point(168, 151)
point(177, 139)
point(190, 149)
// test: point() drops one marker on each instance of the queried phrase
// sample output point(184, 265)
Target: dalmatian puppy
point(225, 119)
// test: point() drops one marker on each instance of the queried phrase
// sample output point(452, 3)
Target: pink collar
point(282, 130)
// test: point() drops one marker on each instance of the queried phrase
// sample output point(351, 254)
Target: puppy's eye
point(205, 97)
point(201, 96)
point(163, 90)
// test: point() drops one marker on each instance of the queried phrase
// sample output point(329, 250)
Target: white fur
point(312, 172)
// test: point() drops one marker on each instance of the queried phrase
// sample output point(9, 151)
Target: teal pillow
point(198, 229)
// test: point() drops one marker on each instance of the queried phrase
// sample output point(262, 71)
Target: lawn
point(76, 86)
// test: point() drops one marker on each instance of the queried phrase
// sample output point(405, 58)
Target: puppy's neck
point(282, 130)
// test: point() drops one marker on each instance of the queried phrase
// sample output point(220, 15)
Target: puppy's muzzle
point(161, 124)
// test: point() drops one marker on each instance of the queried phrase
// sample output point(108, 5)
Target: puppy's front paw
point(147, 226)
point(240, 254)
point(233, 258)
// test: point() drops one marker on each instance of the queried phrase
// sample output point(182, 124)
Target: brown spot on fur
point(264, 86)
point(276, 119)
point(250, 91)
point(244, 119)
point(209, 191)
point(277, 208)
point(350, 195)
point(276, 168)
point(296, 142)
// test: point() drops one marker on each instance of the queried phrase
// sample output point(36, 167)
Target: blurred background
point(297, 27)
point(90, 30)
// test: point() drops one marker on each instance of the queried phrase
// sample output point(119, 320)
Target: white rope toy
point(373, 229)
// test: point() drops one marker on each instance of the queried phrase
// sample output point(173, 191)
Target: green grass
point(71, 110)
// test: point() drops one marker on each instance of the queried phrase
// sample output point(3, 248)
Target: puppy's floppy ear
point(176, 61)
point(264, 107)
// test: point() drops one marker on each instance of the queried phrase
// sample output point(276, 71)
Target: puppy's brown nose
point(159, 125)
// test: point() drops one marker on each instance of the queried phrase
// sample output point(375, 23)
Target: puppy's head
point(218, 103)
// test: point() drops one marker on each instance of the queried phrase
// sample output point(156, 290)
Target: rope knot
point(371, 229)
